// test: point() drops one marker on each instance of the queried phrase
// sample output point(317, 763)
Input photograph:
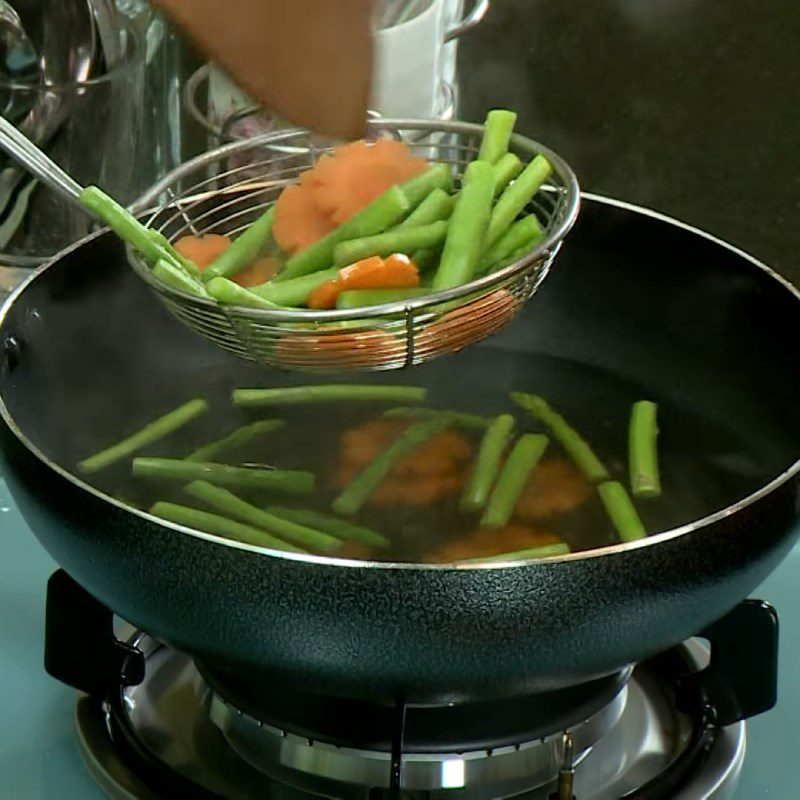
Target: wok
point(687, 318)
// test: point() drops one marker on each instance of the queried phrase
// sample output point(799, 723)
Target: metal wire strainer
point(224, 190)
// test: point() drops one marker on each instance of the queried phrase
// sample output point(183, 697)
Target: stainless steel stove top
point(197, 734)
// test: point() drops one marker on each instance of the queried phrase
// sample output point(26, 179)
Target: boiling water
point(705, 466)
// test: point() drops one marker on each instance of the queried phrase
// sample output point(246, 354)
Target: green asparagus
point(244, 250)
point(496, 135)
point(522, 459)
point(487, 464)
point(643, 450)
point(229, 504)
point(466, 231)
point(621, 511)
point(397, 240)
point(367, 481)
point(577, 447)
point(341, 528)
point(173, 469)
point(332, 392)
point(221, 526)
point(237, 438)
point(158, 429)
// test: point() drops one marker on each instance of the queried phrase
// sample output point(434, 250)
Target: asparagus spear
point(222, 526)
point(544, 551)
point(480, 483)
point(505, 170)
point(621, 511)
point(496, 135)
point(152, 432)
point(438, 205)
point(643, 452)
point(397, 240)
point(516, 197)
point(332, 392)
point(244, 250)
point(378, 216)
point(341, 528)
point(577, 447)
point(295, 291)
point(174, 469)
point(229, 504)
point(236, 438)
point(359, 298)
point(466, 232)
point(364, 484)
point(515, 473)
point(416, 189)
point(229, 293)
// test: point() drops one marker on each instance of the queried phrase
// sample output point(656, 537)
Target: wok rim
point(601, 552)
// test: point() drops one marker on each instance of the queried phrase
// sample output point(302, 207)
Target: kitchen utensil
point(381, 337)
point(94, 129)
point(679, 316)
point(308, 60)
point(226, 189)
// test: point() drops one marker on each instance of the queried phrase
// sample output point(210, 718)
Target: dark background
point(689, 107)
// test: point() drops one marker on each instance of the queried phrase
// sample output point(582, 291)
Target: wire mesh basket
point(226, 189)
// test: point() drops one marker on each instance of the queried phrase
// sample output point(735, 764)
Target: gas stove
point(176, 731)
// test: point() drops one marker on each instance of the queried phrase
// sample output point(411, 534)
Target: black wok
point(673, 311)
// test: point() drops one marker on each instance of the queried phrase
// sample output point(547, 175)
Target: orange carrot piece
point(350, 179)
point(395, 272)
point(325, 295)
point(298, 221)
point(202, 249)
point(260, 271)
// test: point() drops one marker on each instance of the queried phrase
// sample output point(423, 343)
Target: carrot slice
point(325, 295)
point(395, 272)
point(260, 271)
point(202, 249)
point(356, 174)
point(298, 221)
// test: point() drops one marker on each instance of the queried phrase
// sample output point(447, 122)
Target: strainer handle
point(38, 163)
point(469, 21)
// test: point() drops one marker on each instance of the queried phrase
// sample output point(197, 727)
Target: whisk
point(224, 190)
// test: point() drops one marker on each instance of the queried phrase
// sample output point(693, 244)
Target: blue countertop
point(39, 757)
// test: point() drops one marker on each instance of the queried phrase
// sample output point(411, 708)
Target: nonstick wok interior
point(684, 320)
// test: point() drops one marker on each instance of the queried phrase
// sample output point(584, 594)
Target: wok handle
point(80, 647)
point(741, 679)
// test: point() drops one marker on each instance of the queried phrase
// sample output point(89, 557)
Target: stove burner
point(153, 726)
point(162, 745)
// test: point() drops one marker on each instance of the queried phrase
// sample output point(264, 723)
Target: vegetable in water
point(175, 469)
point(152, 432)
point(621, 511)
point(457, 418)
point(341, 528)
point(237, 438)
point(221, 526)
point(232, 506)
point(643, 450)
point(575, 445)
point(487, 464)
point(332, 392)
point(521, 461)
point(545, 551)
point(364, 484)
